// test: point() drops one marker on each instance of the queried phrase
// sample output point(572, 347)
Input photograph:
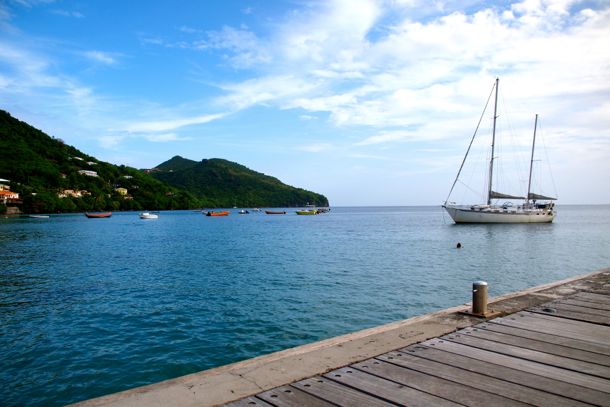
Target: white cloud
point(101, 57)
point(315, 147)
point(110, 142)
point(165, 137)
point(385, 137)
point(68, 13)
point(171, 124)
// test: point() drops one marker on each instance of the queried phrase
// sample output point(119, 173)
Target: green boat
point(307, 212)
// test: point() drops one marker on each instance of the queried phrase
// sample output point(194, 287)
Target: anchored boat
point(98, 215)
point(532, 210)
point(220, 213)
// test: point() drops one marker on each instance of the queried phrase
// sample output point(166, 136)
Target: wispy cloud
point(171, 124)
point(385, 137)
point(165, 137)
point(315, 147)
point(68, 13)
point(110, 142)
point(105, 58)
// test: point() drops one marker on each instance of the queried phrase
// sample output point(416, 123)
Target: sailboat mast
point(493, 142)
point(529, 182)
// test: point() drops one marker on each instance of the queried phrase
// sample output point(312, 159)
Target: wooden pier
point(549, 347)
point(555, 354)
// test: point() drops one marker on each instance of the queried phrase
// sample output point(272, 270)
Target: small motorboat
point(148, 215)
point(243, 212)
point(219, 213)
point(275, 212)
point(98, 215)
point(38, 216)
point(307, 212)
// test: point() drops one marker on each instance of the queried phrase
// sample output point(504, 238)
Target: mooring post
point(479, 298)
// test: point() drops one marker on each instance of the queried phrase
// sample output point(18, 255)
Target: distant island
point(42, 174)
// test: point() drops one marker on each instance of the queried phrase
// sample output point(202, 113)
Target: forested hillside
point(222, 183)
point(51, 176)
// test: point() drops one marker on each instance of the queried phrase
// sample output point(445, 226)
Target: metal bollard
point(479, 298)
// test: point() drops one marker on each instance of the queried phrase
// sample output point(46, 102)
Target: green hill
point(222, 183)
point(51, 176)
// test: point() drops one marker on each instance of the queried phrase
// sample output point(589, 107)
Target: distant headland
point(42, 174)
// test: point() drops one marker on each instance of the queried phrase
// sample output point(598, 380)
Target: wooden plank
point(286, 396)
point(579, 308)
point(512, 391)
point(437, 386)
point(595, 329)
point(556, 326)
point(602, 291)
point(546, 337)
point(590, 296)
point(588, 300)
point(533, 355)
point(386, 389)
point(537, 345)
point(569, 376)
point(249, 402)
point(527, 380)
point(586, 304)
point(578, 316)
point(338, 394)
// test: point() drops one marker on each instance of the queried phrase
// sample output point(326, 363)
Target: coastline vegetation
point(51, 176)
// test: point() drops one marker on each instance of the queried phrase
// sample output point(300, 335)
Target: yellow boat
point(307, 212)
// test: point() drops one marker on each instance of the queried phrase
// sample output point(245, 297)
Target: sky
point(369, 102)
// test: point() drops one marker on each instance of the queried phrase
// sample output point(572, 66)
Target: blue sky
point(368, 102)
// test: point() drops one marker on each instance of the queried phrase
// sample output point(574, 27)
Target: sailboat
point(535, 208)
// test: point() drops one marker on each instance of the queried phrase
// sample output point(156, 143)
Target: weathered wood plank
point(537, 345)
point(386, 389)
point(595, 329)
point(287, 396)
point(578, 308)
point(591, 296)
point(338, 394)
point(546, 337)
point(602, 291)
point(487, 384)
point(569, 376)
point(249, 402)
point(533, 355)
point(557, 326)
point(586, 304)
point(575, 315)
point(437, 386)
point(548, 386)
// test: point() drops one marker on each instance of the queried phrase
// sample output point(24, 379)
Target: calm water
point(94, 306)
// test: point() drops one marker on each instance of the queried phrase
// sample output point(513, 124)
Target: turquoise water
point(94, 306)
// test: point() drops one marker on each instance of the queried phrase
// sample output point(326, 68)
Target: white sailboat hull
point(499, 215)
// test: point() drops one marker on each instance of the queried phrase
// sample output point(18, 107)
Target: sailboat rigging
point(530, 211)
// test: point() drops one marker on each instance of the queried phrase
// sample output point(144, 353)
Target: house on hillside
point(7, 196)
point(121, 191)
point(4, 184)
point(88, 173)
point(73, 193)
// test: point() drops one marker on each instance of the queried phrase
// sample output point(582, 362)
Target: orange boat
point(98, 215)
point(275, 212)
point(212, 213)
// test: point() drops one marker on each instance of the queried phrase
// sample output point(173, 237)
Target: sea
point(90, 307)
